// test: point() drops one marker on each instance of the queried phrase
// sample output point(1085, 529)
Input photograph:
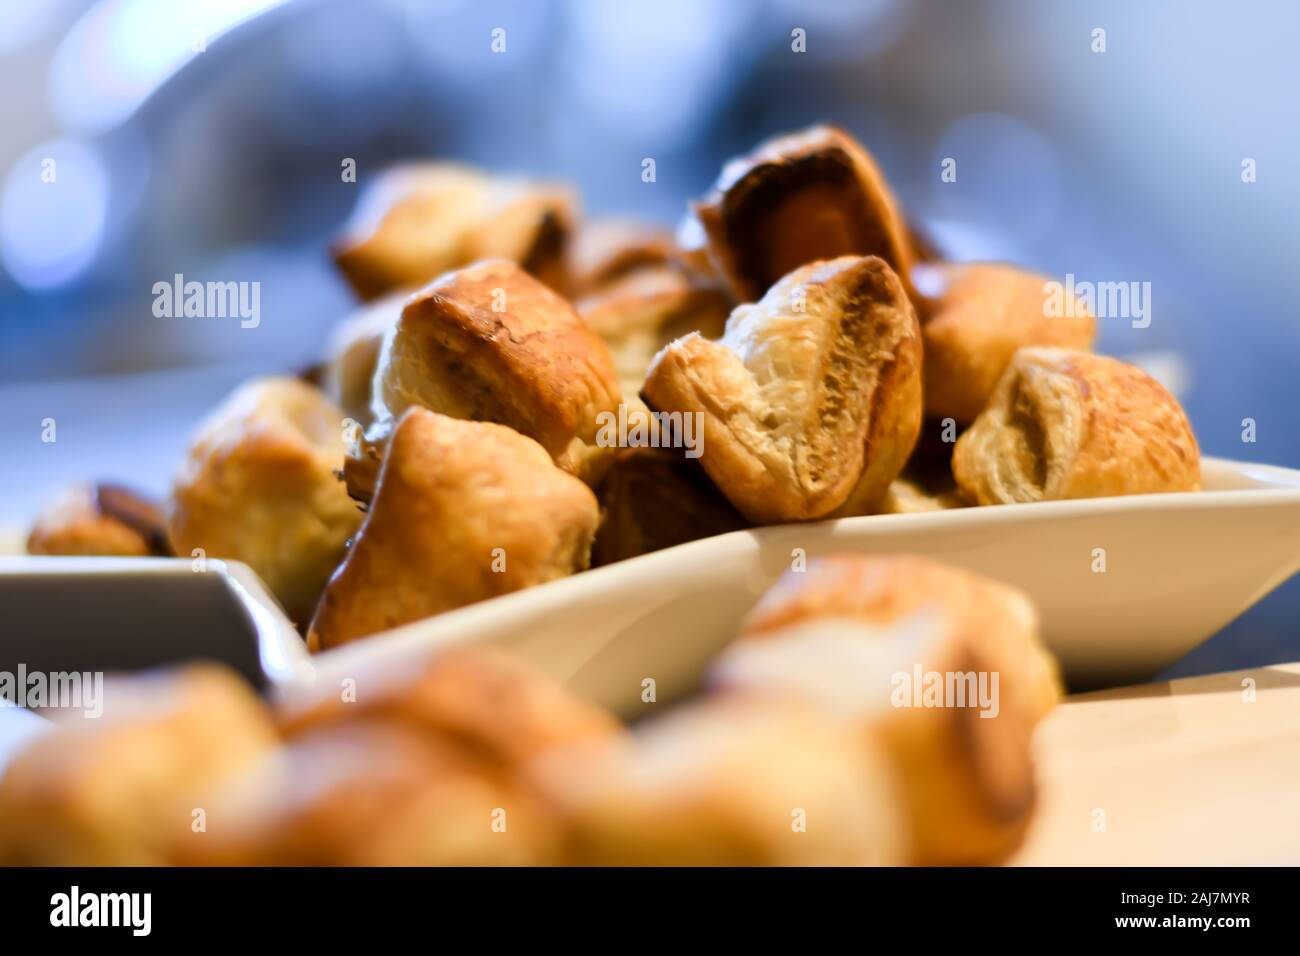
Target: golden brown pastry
point(815, 194)
point(420, 220)
point(117, 790)
point(654, 498)
point(1065, 424)
point(371, 793)
point(101, 521)
point(811, 401)
point(640, 312)
point(353, 354)
point(463, 511)
point(259, 485)
point(977, 317)
point(490, 343)
point(411, 763)
point(733, 782)
point(605, 250)
point(486, 699)
point(907, 496)
point(867, 638)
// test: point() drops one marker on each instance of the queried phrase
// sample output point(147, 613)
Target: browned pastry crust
point(463, 511)
point(606, 250)
point(977, 316)
point(732, 782)
point(490, 343)
point(484, 699)
point(842, 631)
point(419, 220)
point(801, 197)
point(371, 793)
point(115, 791)
point(260, 485)
point(654, 498)
point(1065, 424)
point(811, 399)
point(102, 520)
point(352, 354)
point(640, 312)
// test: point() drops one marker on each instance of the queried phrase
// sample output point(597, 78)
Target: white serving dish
point(1178, 568)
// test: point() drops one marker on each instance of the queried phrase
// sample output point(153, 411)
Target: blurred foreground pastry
point(405, 762)
point(941, 668)
point(728, 783)
point(490, 343)
point(100, 521)
point(119, 789)
point(798, 198)
point(977, 316)
point(260, 485)
point(422, 219)
point(464, 510)
point(1065, 424)
point(811, 401)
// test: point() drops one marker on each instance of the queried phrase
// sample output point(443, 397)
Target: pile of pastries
point(453, 445)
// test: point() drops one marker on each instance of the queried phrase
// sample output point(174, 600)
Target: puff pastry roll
point(872, 640)
point(419, 220)
point(260, 485)
point(491, 701)
point(642, 311)
point(801, 197)
point(463, 511)
point(370, 793)
point(352, 355)
point(606, 250)
point(115, 791)
point(976, 317)
point(101, 521)
point(1065, 424)
point(727, 783)
point(654, 498)
point(490, 343)
point(811, 401)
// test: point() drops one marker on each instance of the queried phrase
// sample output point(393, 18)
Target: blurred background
point(206, 137)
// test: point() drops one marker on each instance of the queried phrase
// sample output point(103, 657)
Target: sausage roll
point(798, 198)
point(1064, 424)
point(260, 485)
point(370, 793)
point(654, 498)
point(101, 521)
point(642, 311)
point(940, 667)
point(463, 511)
point(352, 355)
point(727, 783)
point(977, 316)
point(115, 791)
point(605, 250)
point(490, 343)
point(811, 401)
point(420, 220)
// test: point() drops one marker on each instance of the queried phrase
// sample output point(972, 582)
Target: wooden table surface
point(1200, 771)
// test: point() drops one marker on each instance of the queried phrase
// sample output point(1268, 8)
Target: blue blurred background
point(206, 138)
